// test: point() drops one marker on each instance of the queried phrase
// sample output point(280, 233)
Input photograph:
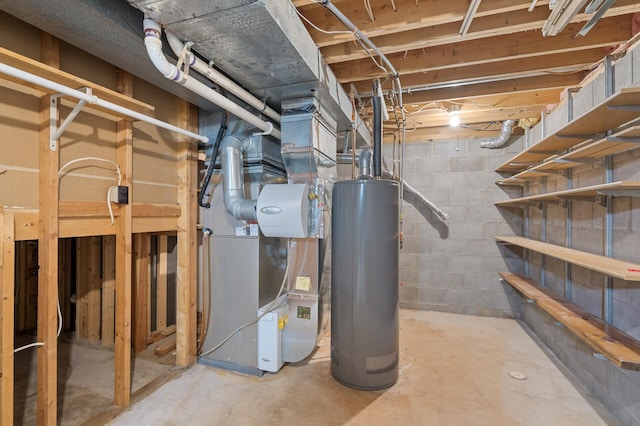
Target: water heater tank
point(365, 254)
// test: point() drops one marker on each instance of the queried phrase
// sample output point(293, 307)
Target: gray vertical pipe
point(377, 137)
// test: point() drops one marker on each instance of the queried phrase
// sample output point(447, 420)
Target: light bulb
point(454, 118)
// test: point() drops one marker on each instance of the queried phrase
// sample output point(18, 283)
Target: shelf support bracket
point(57, 131)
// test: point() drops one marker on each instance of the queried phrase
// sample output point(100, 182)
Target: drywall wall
point(91, 134)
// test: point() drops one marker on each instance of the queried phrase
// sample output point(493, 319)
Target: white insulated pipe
point(92, 99)
point(153, 43)
point(220, 79)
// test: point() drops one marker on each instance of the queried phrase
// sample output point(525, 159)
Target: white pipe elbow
point(153, 43)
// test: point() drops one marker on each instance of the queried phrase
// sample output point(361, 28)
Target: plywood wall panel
point(19, 37)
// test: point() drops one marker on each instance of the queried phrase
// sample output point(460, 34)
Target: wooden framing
point(124, 229)
point(108, 290)
point(109, 254)
point(186, 281)
point(161, 284)
point(141, 286)
point(7, 272)
point(48, 252)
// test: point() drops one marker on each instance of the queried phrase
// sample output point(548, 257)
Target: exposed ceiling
point(502, 68)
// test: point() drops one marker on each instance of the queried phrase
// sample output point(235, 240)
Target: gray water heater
point(365, 254)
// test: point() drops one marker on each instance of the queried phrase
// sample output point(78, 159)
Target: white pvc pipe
point(92, 99)
point(220, 79)
point(152, 41)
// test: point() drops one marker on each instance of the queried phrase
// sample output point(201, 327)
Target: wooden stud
point(64, 281)
point(124, 225)
point(108, 289)
point(7, 273)
point(161, 284)
point(49, 162)
point(141, 291)
point(94, 295)
point(83, 255)
point(186, 276)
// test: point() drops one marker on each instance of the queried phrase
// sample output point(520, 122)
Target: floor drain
point(518, 375)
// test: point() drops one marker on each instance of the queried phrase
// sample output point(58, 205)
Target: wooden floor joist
point(617, 346)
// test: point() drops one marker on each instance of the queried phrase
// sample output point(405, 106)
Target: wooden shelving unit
point(612, 343)
point(606, 265)
point(593, 125)
point(589, 193)
point(617, 143)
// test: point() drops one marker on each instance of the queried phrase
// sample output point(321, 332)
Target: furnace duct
point(237, 206)
point(503, 138)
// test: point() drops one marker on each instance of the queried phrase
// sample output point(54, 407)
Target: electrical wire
point(304, 18)
point(119, 175)
point(269, 308)
point(206, 294)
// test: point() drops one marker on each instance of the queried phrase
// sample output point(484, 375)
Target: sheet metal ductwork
point(237, 206)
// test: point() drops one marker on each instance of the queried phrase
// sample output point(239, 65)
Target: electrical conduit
point(153, 43)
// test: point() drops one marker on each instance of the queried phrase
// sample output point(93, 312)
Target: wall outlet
point(123, 195)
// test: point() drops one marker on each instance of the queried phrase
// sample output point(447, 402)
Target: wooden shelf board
point(591, 125)
point(617, 346)
point(594, 191)
point(41, 70)
point(613, 267)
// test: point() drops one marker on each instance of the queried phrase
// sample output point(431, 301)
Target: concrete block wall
point(618, 389)
point(453, 267)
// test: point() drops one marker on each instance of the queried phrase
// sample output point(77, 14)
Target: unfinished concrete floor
point(454, 371)
point(85, 381)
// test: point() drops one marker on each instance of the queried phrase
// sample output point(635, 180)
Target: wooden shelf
point(612, 267)
point(617, 143)
point(41, 70)
point(615, 111)
point(591, 193)
point(617, 346)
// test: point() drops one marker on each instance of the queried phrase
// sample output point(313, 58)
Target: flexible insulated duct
point(237, 206)
point(503, 138)
point(153, 43)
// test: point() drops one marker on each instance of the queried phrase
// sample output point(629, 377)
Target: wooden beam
point(411, 15)
point(186, 276)
point(49, 162)
point(108, 290)
point(559, 63)
point(527, 84)
point(448, 33)
point(475, 116)
point(524, 45)
point(27, 225)
point(7, 273)
point(124, 228)
point(142, 287)
point(161, 283)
